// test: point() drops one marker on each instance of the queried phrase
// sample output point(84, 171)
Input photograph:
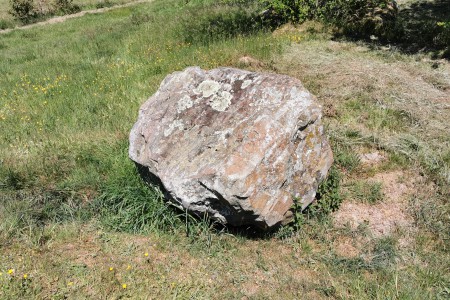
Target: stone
point(248, 61)
point(235, 145)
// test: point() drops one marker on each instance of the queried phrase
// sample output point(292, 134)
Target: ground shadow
point(421, 27)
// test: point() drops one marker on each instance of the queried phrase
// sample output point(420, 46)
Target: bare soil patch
point(387, 216)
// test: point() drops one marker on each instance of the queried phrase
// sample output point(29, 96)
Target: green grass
point(46, 9)
point(72, 204)
point(368, 192)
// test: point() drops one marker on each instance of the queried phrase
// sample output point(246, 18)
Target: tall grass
point(71, 94)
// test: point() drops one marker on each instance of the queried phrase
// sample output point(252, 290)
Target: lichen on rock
point(221, 101)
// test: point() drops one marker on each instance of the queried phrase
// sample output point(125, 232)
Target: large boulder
point(232, 144)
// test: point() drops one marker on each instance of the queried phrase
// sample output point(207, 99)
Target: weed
point(346, 159)
point(328, 198)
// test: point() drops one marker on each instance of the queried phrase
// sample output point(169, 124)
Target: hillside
point(76, 221)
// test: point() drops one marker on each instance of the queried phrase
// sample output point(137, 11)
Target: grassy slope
point(45, 5)
point(69, 96)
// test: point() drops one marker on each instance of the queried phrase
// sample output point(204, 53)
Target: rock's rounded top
point(225, 136)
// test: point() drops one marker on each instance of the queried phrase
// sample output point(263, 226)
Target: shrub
point(362, 17)
point(207, 25)
point(65, 7)
point(294, 10)
point(443, 37)
point(23, 10)
point(355, 17)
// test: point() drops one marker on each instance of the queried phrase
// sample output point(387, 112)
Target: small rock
point(372, 158)
point(248, 61)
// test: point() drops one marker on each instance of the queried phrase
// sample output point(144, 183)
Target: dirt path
point(61, 19)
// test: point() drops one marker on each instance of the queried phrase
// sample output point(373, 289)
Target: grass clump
point(127, 204)
point(366, 192)
point(347, 159)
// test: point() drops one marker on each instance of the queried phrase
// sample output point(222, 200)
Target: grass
point(366, 191)
point(72, 205)
point(45, 8)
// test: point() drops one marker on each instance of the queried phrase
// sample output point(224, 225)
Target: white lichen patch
point(301, 95)
point(221, 101)
point(207, 88)
point(223, 135)
point(184, 103)
point(177, 124)
point(245, 84)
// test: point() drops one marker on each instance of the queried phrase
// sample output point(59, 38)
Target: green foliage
point(23, 10)
point(425, 25)
point(206, 25)
point(294, 10)
point(443, 37)
point(299, 218)
point(65, 7)
point(361, 17)
point(355, 17)
point(328, 199)
point(328, 196)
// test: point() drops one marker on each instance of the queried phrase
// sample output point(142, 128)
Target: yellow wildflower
point(10, 271)
point(146, 254)
point(111, 268)
point(124, 286)
point(25, 276)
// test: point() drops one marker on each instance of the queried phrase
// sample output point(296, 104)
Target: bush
point(65, 7)
point(203, 26)
point(294, 10)
point(443, 37)
point(23, 10)
point(354, 17)
point(362, 17)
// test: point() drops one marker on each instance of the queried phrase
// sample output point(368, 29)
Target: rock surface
point(236, 145)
